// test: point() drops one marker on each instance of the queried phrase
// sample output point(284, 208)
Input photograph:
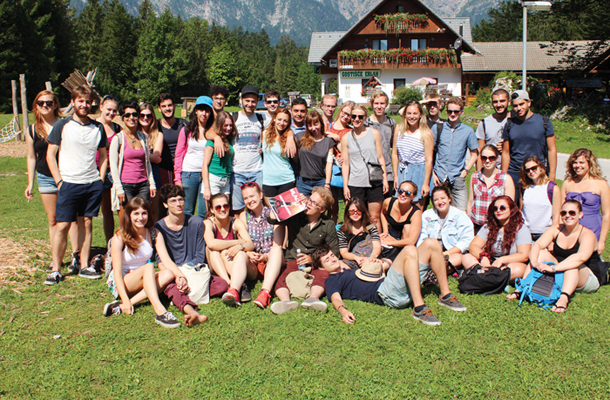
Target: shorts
point(218, 184)
point(112, 284)
point(46, 184)
point(394, 290)
point(76, 199)
point(591, 286)
point(306, 185)
point(367, 194)
point(272, 191)
point(108, 181)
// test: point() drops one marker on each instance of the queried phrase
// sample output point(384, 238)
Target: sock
point(419, 309)
point(447, 297)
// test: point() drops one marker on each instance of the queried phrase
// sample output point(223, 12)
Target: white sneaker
point(313, 303)
point(281, 307)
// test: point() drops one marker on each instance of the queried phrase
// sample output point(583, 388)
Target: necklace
point(132, 138)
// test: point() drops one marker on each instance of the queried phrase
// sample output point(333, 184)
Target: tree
point(88, 27)
point(196, 44)
point(223, 69)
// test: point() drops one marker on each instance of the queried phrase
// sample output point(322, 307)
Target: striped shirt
point(483, 196)
point(410, 148)
point(345, 238)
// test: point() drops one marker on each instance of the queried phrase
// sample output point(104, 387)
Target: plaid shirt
point(483, 196)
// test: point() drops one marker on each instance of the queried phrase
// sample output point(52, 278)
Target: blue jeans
point(191, 183)
point(238, 179)
point(305, 186)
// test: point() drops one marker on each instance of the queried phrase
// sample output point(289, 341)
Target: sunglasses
point(47, 103)
point(531, 169)
point(219, 207)
point(571, 213)
point(249, 184)
point(490, 158)
point(355, 212)
point(132, 114)
point(272, 101)
point(432, 104)
point(454, 111)
point(500, 208)
point(357, 116)
point(145, 116)
point(405, 192)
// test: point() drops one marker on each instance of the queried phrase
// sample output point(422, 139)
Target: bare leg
point(49, 201)
point(237, 269)
point(283, 294)
point(375, 213)
point(86, 249)
point(316, 291)
point(75, 242)
point(192, 317)
point(468, 260)
point(407, 264)
point(431, 252)
point(572, 279)
point(59, 244)
point(274, 265)
point(517, 270)
point(107, 215)
point(217, 265)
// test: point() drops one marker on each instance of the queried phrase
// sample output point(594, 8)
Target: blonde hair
point(426, 133)
point(378, 94)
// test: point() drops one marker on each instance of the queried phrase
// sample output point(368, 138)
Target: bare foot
point(561, 304)
point(191, 320)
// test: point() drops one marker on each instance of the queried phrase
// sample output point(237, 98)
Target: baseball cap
point(520, 94)
point(203, 101)
point(249, 89)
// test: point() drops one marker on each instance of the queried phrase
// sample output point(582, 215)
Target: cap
point(520, 94)
point(249, 89)
point(203, 101)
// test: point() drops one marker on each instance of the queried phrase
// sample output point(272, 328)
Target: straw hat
point(371, 271)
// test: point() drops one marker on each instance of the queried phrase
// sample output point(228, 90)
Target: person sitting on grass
point(574, 252)
point(133, 276)
point(180, 241)
point(398, 289)
point(306, 232)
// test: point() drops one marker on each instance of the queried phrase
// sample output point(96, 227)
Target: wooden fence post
point(24, 106)
point(15, 103)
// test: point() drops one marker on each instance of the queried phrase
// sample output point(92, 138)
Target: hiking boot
point(281, 307)
point(244, 294)
point(74, 266)
point(263, 299)
point(54, 278)
point(426, 316)
point(89, 273)
point(313, 303)
point(113, 308)
point(451, 302)
point(231, 298)
point(167, 320)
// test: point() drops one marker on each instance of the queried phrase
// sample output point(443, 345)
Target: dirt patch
point(13, 149)
point(17, 267)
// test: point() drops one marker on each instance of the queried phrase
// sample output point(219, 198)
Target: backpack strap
point(545, 120)
point(439, 130)
point(549, 190)
point(484, 128)
point(261, 120)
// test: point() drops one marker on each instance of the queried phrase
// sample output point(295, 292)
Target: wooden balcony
point(397, 58)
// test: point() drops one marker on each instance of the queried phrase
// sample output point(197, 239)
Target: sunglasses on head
point(490, 158)
point(131, 114)
point(219, 207)
point(48, 103)
point(146, 116)
point(249, 184)
point(531, 169)
point(405, 192)
point(454, 111)
point(357, 116)
point(355, 212)
point(500, 208)
point(571, 213)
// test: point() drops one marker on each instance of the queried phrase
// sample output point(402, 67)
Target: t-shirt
point(78, 144)
point(220, 166)
point(386, 130)
point(348, 285)
point(186, 244)
point(490, 130)
point(247, 144)
point(523, 237)
point(193, 159)
point(170, 140)
point(313, 162)
point(527, 138)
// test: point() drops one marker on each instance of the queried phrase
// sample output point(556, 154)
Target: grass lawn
point(55, 344)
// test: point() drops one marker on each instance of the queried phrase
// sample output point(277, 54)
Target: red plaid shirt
point(483, 196)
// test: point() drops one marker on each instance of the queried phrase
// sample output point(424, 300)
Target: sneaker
point(231, 298)
point(89, 273)
point(452, 303)
point(244, 294)
point(313, 303)
point(263, 299)
point(54, 278)
point(74, 266)
point(167, 320)
point(281, 307)
point(426, 316)
point(113, 308)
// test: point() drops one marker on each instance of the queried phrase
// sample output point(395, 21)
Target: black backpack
point(259, 117)
point(476, 280)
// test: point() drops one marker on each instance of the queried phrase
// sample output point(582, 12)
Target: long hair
point(193, 125)
point(153, 128)
point(512, 226)
point(210, 212)
point(219, 121)
point(307, 142)
point(595, 171)
point(273, 132)
point(347, 222)
point(491, 148)
point(347, 104)
point(525, 180)
point(39, 126)
point(426, 133)
point(127, 230)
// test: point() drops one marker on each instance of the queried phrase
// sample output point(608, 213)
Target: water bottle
point(301, 266)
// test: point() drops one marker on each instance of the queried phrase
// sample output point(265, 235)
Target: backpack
point(259, 117)
point(476, 280)
point(540, 288)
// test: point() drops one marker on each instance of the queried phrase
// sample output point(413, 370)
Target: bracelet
point(342, 305)
point(242, 246)
point(483, 255)
point(59, 182)
point(327, 184)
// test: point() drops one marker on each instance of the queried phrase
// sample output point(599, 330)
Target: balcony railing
point(401, 22)
point(398, 58)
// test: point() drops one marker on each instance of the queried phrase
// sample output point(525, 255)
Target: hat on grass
point(370, 271)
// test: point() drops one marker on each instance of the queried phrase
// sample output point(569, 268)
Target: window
point(399, 82)
point(400, 9)
point(379, 44)
point(419, 44)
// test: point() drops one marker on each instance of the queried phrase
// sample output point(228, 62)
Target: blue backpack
point(540, 288)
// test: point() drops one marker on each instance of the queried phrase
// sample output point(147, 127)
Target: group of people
point(192, 194)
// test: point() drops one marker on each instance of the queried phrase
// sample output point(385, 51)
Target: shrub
point(516, 80)
point(404, 94)
point(483, 97)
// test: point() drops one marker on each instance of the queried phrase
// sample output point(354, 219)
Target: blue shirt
point(527, 138)
point(348, 285)
point(451, 152)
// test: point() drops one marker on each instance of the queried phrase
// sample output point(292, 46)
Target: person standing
point(219, 95)
point(491, 127)
point(170, 126)
point(298, 109)
point(386, 127)
point(272, 104)
point(433, 107)
point(329, 105)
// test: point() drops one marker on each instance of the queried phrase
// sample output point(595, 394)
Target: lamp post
point(534, 6)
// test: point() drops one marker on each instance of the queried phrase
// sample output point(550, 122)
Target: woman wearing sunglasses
point(227, 242)
point(400, 221)
point(216, 171)
point(129, 159)
point(412, 152)
point(449, 226)
point(504, 241)
point(585, 183)
point(148, 124)
point(361, 150)
point(278, 175)
point(540, 197)
point(487, 184)
point(574, 252)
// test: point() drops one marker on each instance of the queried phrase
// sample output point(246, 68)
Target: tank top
point(134, 164)
point(40, 149)
point(537, 209)
point(218, 235)
point(133, 261)
point(410, 148)
point(561, 254)
point(395, 228)
point(358, 172)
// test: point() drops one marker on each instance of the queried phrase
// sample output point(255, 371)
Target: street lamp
point(534, 6)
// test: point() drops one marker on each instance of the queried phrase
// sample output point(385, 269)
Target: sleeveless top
point(591, 204)
point(394, 227)
point(561, 254)
point(218, 235)
point(358, 172)
point(410, 148)
point(40, 149)
point(537, 208)
point(261, 231)
point(132, 261)
point(276, 166)
point(483, 195)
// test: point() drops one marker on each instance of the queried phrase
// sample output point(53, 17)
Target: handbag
point(198, 277)
point(336, 179)
point(479, 280)
point(373, 169)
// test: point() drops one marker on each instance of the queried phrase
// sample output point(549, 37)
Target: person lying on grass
point(398, 289)
point(574, 252)
point(133, 276)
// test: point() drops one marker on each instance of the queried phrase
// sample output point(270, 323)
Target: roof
point(508, 56)
point(320, 43)
point(455, 23)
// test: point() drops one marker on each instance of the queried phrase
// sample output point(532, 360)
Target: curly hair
point(127, 230)
point(307, 142)
point(39, 125)
point(524, 178)
point(511, 227)
point(595, 171)
point(272, 132)
point(347, 222)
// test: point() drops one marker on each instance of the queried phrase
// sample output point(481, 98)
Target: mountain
point(295, 18)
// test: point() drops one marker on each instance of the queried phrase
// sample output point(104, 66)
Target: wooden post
point(48, 86)
point(24, 106)
point(15, 103)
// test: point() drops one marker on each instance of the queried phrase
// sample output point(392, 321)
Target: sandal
point(516, 293)
point(563, 308)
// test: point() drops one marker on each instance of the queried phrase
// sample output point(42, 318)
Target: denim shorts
point(394, 290)
point(46, 184)
point(238, 179)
